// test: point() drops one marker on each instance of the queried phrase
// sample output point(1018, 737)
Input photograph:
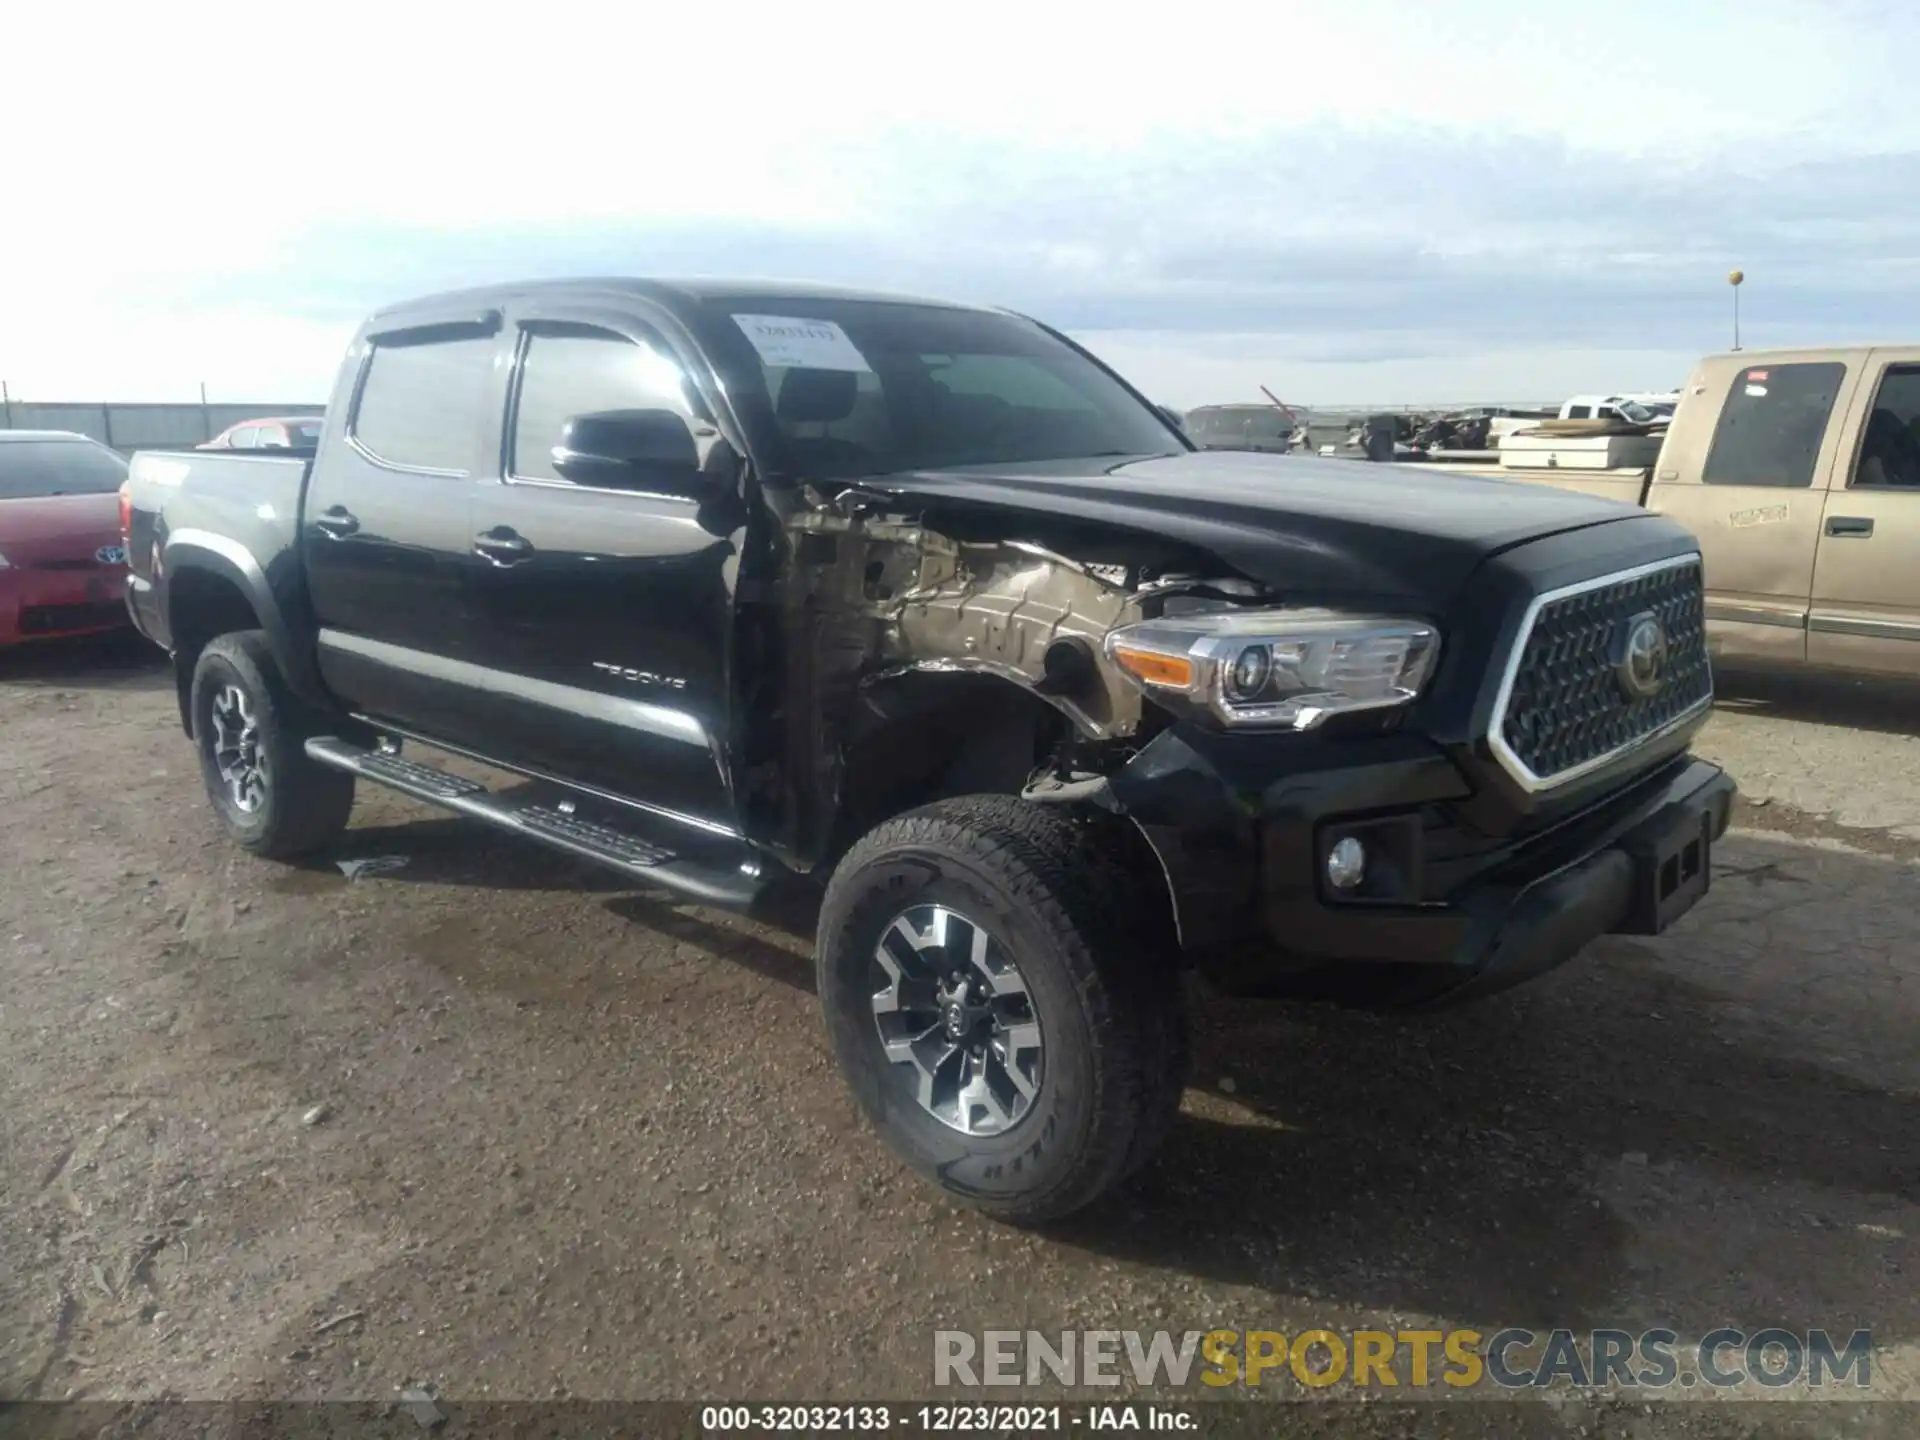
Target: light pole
point(1735, 278)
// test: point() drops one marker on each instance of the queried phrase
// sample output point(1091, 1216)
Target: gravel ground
point(496, 1123)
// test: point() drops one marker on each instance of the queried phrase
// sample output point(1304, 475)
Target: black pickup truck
point(741, 587)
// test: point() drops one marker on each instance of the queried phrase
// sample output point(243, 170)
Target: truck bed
point(243, 507)
point(1628, 484)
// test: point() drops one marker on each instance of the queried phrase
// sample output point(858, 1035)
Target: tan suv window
point(1772, 424)
point(1890, 448)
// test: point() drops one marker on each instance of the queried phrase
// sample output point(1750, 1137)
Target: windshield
point(865, 387)
point(30, 468)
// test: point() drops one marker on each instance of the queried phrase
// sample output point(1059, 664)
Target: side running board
point(722, 874)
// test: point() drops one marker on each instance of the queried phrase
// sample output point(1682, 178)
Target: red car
point(271, 432)
point(63, 563)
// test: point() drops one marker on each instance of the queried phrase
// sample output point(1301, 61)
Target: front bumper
point(49, 604)
point(1453, 912)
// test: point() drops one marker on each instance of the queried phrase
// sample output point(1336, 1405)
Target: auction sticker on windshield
point(788, 342)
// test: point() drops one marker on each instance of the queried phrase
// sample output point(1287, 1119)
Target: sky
point(1345, 202)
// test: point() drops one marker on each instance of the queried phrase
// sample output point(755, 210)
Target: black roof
point(687, 291)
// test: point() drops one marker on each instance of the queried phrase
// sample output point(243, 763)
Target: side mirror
point(630, 450)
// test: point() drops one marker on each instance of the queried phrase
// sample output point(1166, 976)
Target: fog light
point(1346, 863)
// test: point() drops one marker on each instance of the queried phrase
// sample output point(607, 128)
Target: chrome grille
point(1564, 708)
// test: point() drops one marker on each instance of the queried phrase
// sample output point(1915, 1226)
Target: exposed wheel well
point(930, 736)
point(201, 606)
point(933, 735)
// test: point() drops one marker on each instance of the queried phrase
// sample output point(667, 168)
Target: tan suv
point(1799, 470)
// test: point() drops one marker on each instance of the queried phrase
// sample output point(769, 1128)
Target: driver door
point(603, 617)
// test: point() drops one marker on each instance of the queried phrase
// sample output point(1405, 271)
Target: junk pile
point(1627, 439)
point(1626, 436)
point(1416, 437)
point(1454, 432)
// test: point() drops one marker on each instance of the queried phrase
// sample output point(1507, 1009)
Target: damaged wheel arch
point(948, 666)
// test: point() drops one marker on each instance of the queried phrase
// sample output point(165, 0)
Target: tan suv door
point(1866, 580)
point(1745, 467)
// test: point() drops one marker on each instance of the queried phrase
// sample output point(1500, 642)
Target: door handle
point(1858, 526)
point(336, 522)
point(502, 545)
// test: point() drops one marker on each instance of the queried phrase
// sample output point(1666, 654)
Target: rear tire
point(1072, 1050)
point(251, 734)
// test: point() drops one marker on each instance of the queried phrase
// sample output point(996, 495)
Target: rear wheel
point(1003, 1002)
point(251, 735)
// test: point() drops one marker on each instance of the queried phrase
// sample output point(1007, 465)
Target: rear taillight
point(126, 511)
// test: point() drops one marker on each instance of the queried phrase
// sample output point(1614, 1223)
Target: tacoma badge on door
point(641, 677)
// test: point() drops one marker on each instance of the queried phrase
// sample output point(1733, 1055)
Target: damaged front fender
point(880, 604)
point(909, 598)
point(873, 601)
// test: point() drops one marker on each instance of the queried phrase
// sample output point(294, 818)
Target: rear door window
point(1771, 426)
point(31, 468)
point(420, 402)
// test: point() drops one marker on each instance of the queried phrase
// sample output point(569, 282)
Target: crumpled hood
point(1307, 526)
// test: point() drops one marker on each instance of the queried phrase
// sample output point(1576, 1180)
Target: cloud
point(1444, 242)
point(1319, 184)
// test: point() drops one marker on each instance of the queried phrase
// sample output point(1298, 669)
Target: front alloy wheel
point(956, 1021)
point(999, 990)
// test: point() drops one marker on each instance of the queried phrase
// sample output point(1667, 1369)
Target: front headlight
point(1277, 669)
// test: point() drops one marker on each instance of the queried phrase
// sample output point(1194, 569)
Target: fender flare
point(191, 549)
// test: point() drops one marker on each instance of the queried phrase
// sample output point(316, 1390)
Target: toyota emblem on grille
point(1640, 656)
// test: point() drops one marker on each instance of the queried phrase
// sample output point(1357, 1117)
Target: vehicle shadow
point(449, 850)
point(117, 660)
point(789, 914)
point(1570, 1154)
point(1563, 1155)
point(1888, 705)
point(1349, 1174)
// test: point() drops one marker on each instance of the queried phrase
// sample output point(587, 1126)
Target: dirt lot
point(539, 1134)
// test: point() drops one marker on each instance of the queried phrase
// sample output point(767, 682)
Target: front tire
point(251, 733)
point(1000, 992)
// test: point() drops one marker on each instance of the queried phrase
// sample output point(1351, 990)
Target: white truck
point(1633, 408)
